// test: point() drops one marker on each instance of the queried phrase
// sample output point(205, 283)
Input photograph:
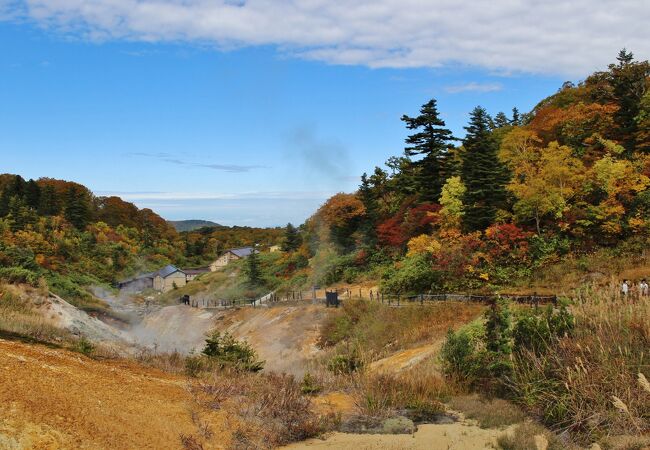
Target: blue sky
point(240, 130)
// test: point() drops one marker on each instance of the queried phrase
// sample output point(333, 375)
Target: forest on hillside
point(58, 233)
point(515, 194)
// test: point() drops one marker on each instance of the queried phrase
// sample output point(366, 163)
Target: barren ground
point(55, 399)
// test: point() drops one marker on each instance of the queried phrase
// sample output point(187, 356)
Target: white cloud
point(473, 87)
point(550, 36)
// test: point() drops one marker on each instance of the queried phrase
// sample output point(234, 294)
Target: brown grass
point(529, 436)
point(417, 394)
point(19, 318)
point(489, 413)
point(380, 329)
point(266, 410)
point(590, 384)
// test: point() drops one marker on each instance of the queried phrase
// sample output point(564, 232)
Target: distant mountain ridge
point(190, 225)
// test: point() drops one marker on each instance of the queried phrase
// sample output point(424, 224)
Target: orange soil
point(55, 399)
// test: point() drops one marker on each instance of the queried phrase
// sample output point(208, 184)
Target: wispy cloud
point(473, 86)
point(172, 159)
point(550, 37)
point(253, 195)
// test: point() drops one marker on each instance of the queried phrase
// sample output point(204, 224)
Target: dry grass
point(380, 329)
point(266, 410)
point(593, 383)
point(489, 413)
point(19, 318)
point(416, 394)
point(528, 436)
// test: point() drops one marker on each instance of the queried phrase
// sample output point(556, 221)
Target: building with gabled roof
point(162, 280)
point(231, 255)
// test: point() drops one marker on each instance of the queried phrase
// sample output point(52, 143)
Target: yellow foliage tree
point(423, 244)
point(544, 178)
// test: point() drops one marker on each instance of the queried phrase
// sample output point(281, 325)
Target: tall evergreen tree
point(77, 210)
point(292, 239)
point(369, 200)
point(516, 117)
point(49, 202)
point(32, 194)
point(253, 273)
point(431, 142)
point(501, 120)
point(629, 84)
point(482, 174)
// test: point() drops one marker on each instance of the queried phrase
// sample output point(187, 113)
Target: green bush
point(227, 351)
point(19, 275)
point(310, 385)
point(84, 346)
point(535, 329)
point(345, 363)
point(414, 275)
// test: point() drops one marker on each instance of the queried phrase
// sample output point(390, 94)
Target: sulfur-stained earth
point(56, 399)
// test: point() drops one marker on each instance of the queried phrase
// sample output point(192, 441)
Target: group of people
point(642, 288)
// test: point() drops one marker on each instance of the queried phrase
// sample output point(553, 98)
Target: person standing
point(625, 288)
point(643, 288)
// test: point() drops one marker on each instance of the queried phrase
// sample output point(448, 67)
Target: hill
point(191, 225)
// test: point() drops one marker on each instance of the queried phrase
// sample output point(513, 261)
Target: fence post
point(421, 299)
point(398, 298)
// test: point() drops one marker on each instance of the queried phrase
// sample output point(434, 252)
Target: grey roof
point(242, 252)
point(167, 271)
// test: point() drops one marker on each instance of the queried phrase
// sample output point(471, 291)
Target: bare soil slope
point(285, 336)
point(55, 399)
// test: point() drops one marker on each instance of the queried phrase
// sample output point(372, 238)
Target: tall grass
point(19, 318)
point(592, 383)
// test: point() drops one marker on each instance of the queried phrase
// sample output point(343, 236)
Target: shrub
point(225, 350)
point(19, 275)
point(310, 385)
point(84, 346)
point(345, 363)
point(536, 329)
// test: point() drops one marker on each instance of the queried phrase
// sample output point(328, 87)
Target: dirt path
point(457, 436)
point(405, 359)
point(55, 399)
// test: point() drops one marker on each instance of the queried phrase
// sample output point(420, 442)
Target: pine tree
point(482, 174)
point(77, 210)
point(292, 239)
point(501, 120)
point(32, 194)
point(516, 117)
point(253, 273)
point(431, 142)
point(629, 85)
point(49, 202)
point(369, 200)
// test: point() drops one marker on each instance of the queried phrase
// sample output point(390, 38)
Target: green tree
point(501, 120)
point(516, 117)
point(482, 174)
point(77, 209)
point(49, 202)
point(292, 239)
point(252, 269)
point(368, 198)
point(32, 194)
point(431, 143)
point(629, 81)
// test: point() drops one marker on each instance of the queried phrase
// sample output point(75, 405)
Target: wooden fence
point(320, 295)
